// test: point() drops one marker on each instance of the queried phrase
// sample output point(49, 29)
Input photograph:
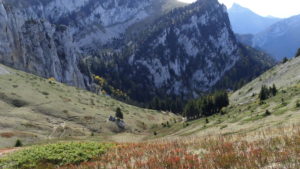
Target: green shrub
point(45, 93)
point(185, 125)
point(267, 113)
point(54, 154)
point(18, 103)
point(298, 104)
point(206, 121)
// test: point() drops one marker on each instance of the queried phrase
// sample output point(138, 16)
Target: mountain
point(184, 53)
point(144, 48)
point(281, 39)
point(244, 21)
point(38, 47)
point(34, 109)
point(47, 37)
point(222, 140)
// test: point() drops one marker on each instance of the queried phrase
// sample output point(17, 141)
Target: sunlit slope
point(284, 76)
point(246, 112)
point(33, 108)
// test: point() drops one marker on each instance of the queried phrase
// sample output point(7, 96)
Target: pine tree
point(285, 59)
point(18, 143)
point(119, 113)
point(264, 93)
point(274, 90)
point(298, 53)
point(190, 110)
point(221, 100)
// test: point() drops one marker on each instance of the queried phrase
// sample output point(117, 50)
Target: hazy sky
point(277, 8)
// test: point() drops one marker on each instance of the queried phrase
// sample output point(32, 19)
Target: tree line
point(174, 105)
point(206, 106)
point(267, 92)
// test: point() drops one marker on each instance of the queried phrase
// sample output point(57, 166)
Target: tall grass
point(271, 148)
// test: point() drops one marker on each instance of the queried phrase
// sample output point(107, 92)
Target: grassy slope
point(242, 138)
point(246, 114)
point(33, 109)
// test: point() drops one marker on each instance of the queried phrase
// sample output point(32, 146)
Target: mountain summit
point(281, 39)
point(184, 53)
point(245, 21)
point(145, 48)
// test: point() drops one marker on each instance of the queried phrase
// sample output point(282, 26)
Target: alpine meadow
point(148, 84)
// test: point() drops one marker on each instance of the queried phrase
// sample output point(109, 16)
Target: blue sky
point(276, 8)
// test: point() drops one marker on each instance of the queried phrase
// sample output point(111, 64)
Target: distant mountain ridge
point(244, 21)
point(280, 40)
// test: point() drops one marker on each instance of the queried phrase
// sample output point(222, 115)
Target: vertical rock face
point(185, 52)
point(38, 47)
point(90, 21)
point(33, 38)
point(190, 54)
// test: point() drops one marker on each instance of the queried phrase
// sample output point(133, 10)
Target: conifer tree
point(119, 113)
point(18, 143)
point(274, 90)
point(298, 53)
point(264, 93)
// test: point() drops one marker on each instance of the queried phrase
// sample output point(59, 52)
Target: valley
point(148, 84)
point(243, 122)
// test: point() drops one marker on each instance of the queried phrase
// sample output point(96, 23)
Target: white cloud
point(277, 8)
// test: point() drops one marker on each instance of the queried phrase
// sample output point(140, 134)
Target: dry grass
point(274, 148)
point(45, 109)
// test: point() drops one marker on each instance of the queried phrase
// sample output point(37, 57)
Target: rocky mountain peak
point(161, 50)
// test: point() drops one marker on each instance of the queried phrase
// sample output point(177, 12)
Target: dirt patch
point(16, 134)
point(7, 151)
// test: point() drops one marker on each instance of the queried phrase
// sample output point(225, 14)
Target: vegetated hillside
point(244, 21)
point(246, 112)
point(34, 109)
point(183, 55)
point(244, 137)
point(252, 63)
